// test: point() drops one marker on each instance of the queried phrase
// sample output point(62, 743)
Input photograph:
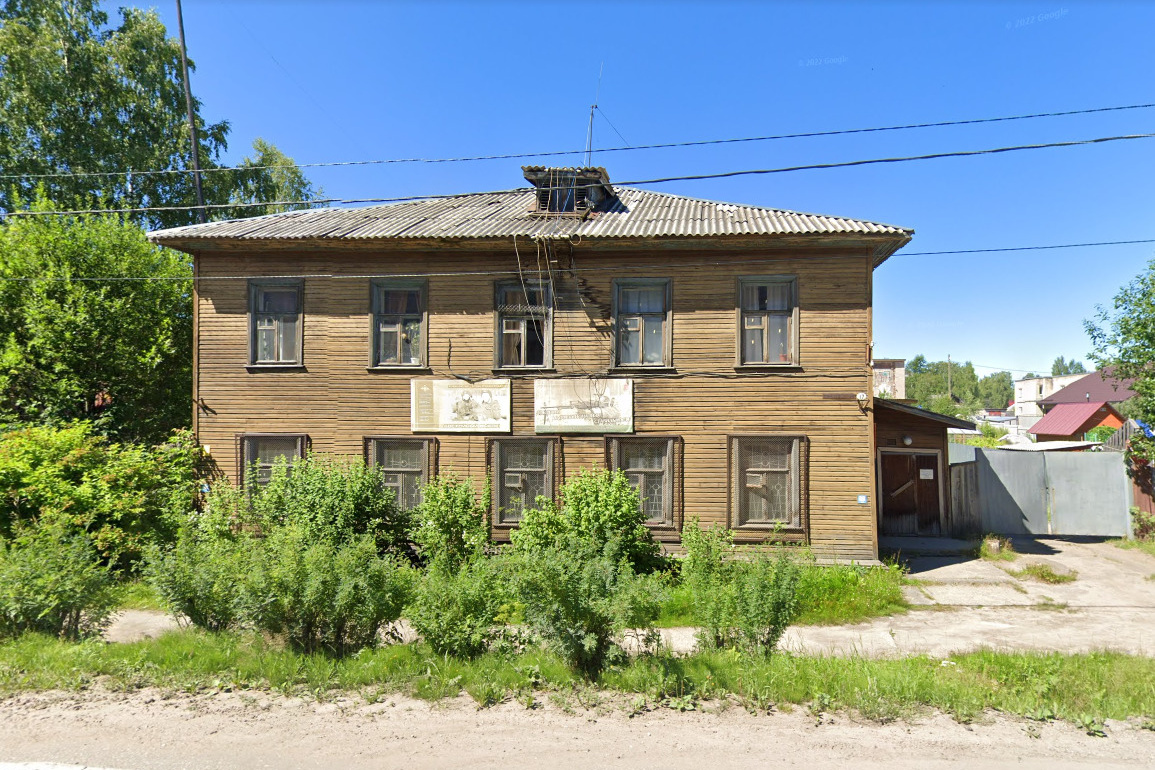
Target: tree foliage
point(964, 394)
point(1062, 366)
point(105, 103)
point(116, 352)
point(1124, 339)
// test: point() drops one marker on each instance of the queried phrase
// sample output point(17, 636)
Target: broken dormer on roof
point(568, 190)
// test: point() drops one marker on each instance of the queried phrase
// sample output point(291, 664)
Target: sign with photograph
point(583, 406)
point(457, 406)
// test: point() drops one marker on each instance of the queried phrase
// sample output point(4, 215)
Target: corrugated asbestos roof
point(1065, 419)
point(634, 213)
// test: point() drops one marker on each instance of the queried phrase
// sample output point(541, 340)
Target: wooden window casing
point(523, 325)
point(522, 470)
point(258, 453)
point(399, 336)
point(406, 465)
point(653, 466)
point(767, 321)
point(769, 484)
point(643, 323)
point(276, 327)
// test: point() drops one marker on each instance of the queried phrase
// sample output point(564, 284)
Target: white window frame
point(745, 317)
point(622, 319)
point(501, 315)
point(502, 475)
point(294, 357)
point(377, 316)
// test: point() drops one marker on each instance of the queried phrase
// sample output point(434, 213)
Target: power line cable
point(574, 269)
point(656, 180)
point(554, 153)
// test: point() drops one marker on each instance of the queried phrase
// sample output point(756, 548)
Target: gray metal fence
point(1039, 493)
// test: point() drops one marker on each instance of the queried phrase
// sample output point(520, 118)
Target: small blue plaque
point(863, 499)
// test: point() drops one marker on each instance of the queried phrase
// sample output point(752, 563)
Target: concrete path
point(958, 604)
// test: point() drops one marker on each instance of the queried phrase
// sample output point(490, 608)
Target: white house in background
point(890, 378)
point(1029, 391)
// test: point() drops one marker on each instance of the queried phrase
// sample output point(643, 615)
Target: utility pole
point(949, 392)
point(192, 124)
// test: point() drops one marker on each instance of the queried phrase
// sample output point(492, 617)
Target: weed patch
point(996, 548)
point(1044, 573)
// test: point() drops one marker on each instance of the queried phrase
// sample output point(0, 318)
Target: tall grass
point(1077, 688)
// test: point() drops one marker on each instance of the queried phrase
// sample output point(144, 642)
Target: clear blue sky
point(362, 80)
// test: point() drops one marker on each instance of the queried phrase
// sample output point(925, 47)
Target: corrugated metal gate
point(1042, 493)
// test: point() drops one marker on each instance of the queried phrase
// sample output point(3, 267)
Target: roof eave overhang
point(925, 414)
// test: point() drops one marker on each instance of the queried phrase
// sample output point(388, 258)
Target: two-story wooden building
point(717, 353)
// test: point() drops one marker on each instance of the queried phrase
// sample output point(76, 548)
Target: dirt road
point(144, 731)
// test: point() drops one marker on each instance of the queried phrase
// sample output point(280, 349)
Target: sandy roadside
point(148, 729)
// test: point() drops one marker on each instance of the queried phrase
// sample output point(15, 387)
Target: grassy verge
point(139, 595)
point(827, 595)
point(1146, 546)
point(1080, 688)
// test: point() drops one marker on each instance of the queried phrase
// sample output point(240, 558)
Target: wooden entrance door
point(911, 500)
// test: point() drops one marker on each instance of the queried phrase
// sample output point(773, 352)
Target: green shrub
point(51, 582)
point(457, 612)
point(334, 499)
point(579, 602)
point(452, 526)
point(601, 513)
point(126, 497)
point(1099, 433)
point(322, 596)
point(1142, 524)
point(200, 576)
point(748, 601)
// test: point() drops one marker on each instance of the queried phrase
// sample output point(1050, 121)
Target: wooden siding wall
point(704, 399)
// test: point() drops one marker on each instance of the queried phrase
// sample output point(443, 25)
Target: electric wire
point(655, 180)
point(555, 153)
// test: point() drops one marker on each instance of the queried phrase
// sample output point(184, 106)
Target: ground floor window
point(405, 464)
point(523, 470)
point(260, 452)
point(766, 481)
point(648, 464)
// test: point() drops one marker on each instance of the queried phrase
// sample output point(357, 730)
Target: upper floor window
point(642, 320)
point(767, 331)
point(275, 322)
point(405, 466)
point(260, 454)
point(399, 322)
point(524, 320)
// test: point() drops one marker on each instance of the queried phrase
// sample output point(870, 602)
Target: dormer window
point(568, 190)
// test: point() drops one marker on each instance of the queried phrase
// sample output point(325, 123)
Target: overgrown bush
point(747, 601)
point(322, 596)
point(332, 499)
point(579, 602)
point(1142, 524)
point(51, 582)
point(125, 497)
point(458, 612)
point(451, 524)
point(200, 576)
point(600, 512)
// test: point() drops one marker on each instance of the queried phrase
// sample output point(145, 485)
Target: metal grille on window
point(277, 314)
point(398, 320)
point(641, 324)
point(767, 472)
point(767, 312)
point(262, 453)
point(522, 476)
point(403, 469)
point(524, 314)
point(647, 466)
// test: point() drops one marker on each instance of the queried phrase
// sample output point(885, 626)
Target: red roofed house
point(1069, 422)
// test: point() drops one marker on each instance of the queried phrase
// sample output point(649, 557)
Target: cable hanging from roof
point(656, 180)
point(556, 153)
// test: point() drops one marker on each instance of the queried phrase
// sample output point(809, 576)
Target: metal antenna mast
point(594, 106)
point(192, 124)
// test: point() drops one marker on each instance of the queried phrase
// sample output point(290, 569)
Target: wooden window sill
point(276, 367)
point(415, 369)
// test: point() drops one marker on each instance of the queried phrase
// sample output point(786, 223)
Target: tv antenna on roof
point(593, 107)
